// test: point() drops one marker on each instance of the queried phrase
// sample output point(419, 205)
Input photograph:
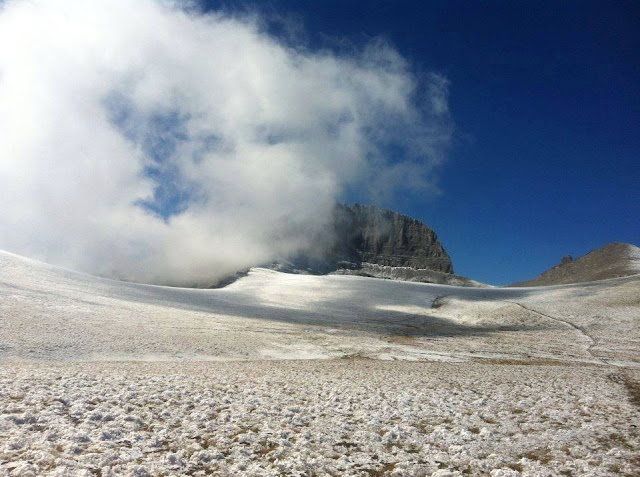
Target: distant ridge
point(613, 260)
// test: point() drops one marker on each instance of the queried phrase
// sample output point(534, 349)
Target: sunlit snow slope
point(47, 313)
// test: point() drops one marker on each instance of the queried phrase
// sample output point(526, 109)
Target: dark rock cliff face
point(388, 238)
point(366, 234)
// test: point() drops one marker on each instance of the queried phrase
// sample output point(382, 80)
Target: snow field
point(47, 313)
point(282, 374)
point(335, 417)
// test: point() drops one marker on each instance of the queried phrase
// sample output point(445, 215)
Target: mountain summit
point(369, 241)
point(610, 261)
point(367, 234)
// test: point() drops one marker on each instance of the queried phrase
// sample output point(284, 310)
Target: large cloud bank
point(148, 141)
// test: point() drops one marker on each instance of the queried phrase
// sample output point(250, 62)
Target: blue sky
point(545, 97)
point(191, 146)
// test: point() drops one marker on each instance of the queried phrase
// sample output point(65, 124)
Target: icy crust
point(339, 417)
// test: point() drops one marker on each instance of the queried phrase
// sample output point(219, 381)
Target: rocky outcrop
point(614, 260)
point(388, 238)
point(360, 234)
point(369, 241)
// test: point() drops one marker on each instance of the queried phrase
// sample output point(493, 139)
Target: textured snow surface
point(338, 417)
point(282, 374)
point(51, 314)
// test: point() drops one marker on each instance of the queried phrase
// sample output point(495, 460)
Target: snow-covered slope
point(50, 313)
point(99, 377)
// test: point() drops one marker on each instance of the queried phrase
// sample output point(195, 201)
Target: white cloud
point(153, 143)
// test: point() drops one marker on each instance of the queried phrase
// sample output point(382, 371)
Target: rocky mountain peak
point(385, 237)
point(613, 260)
point(360, 236)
